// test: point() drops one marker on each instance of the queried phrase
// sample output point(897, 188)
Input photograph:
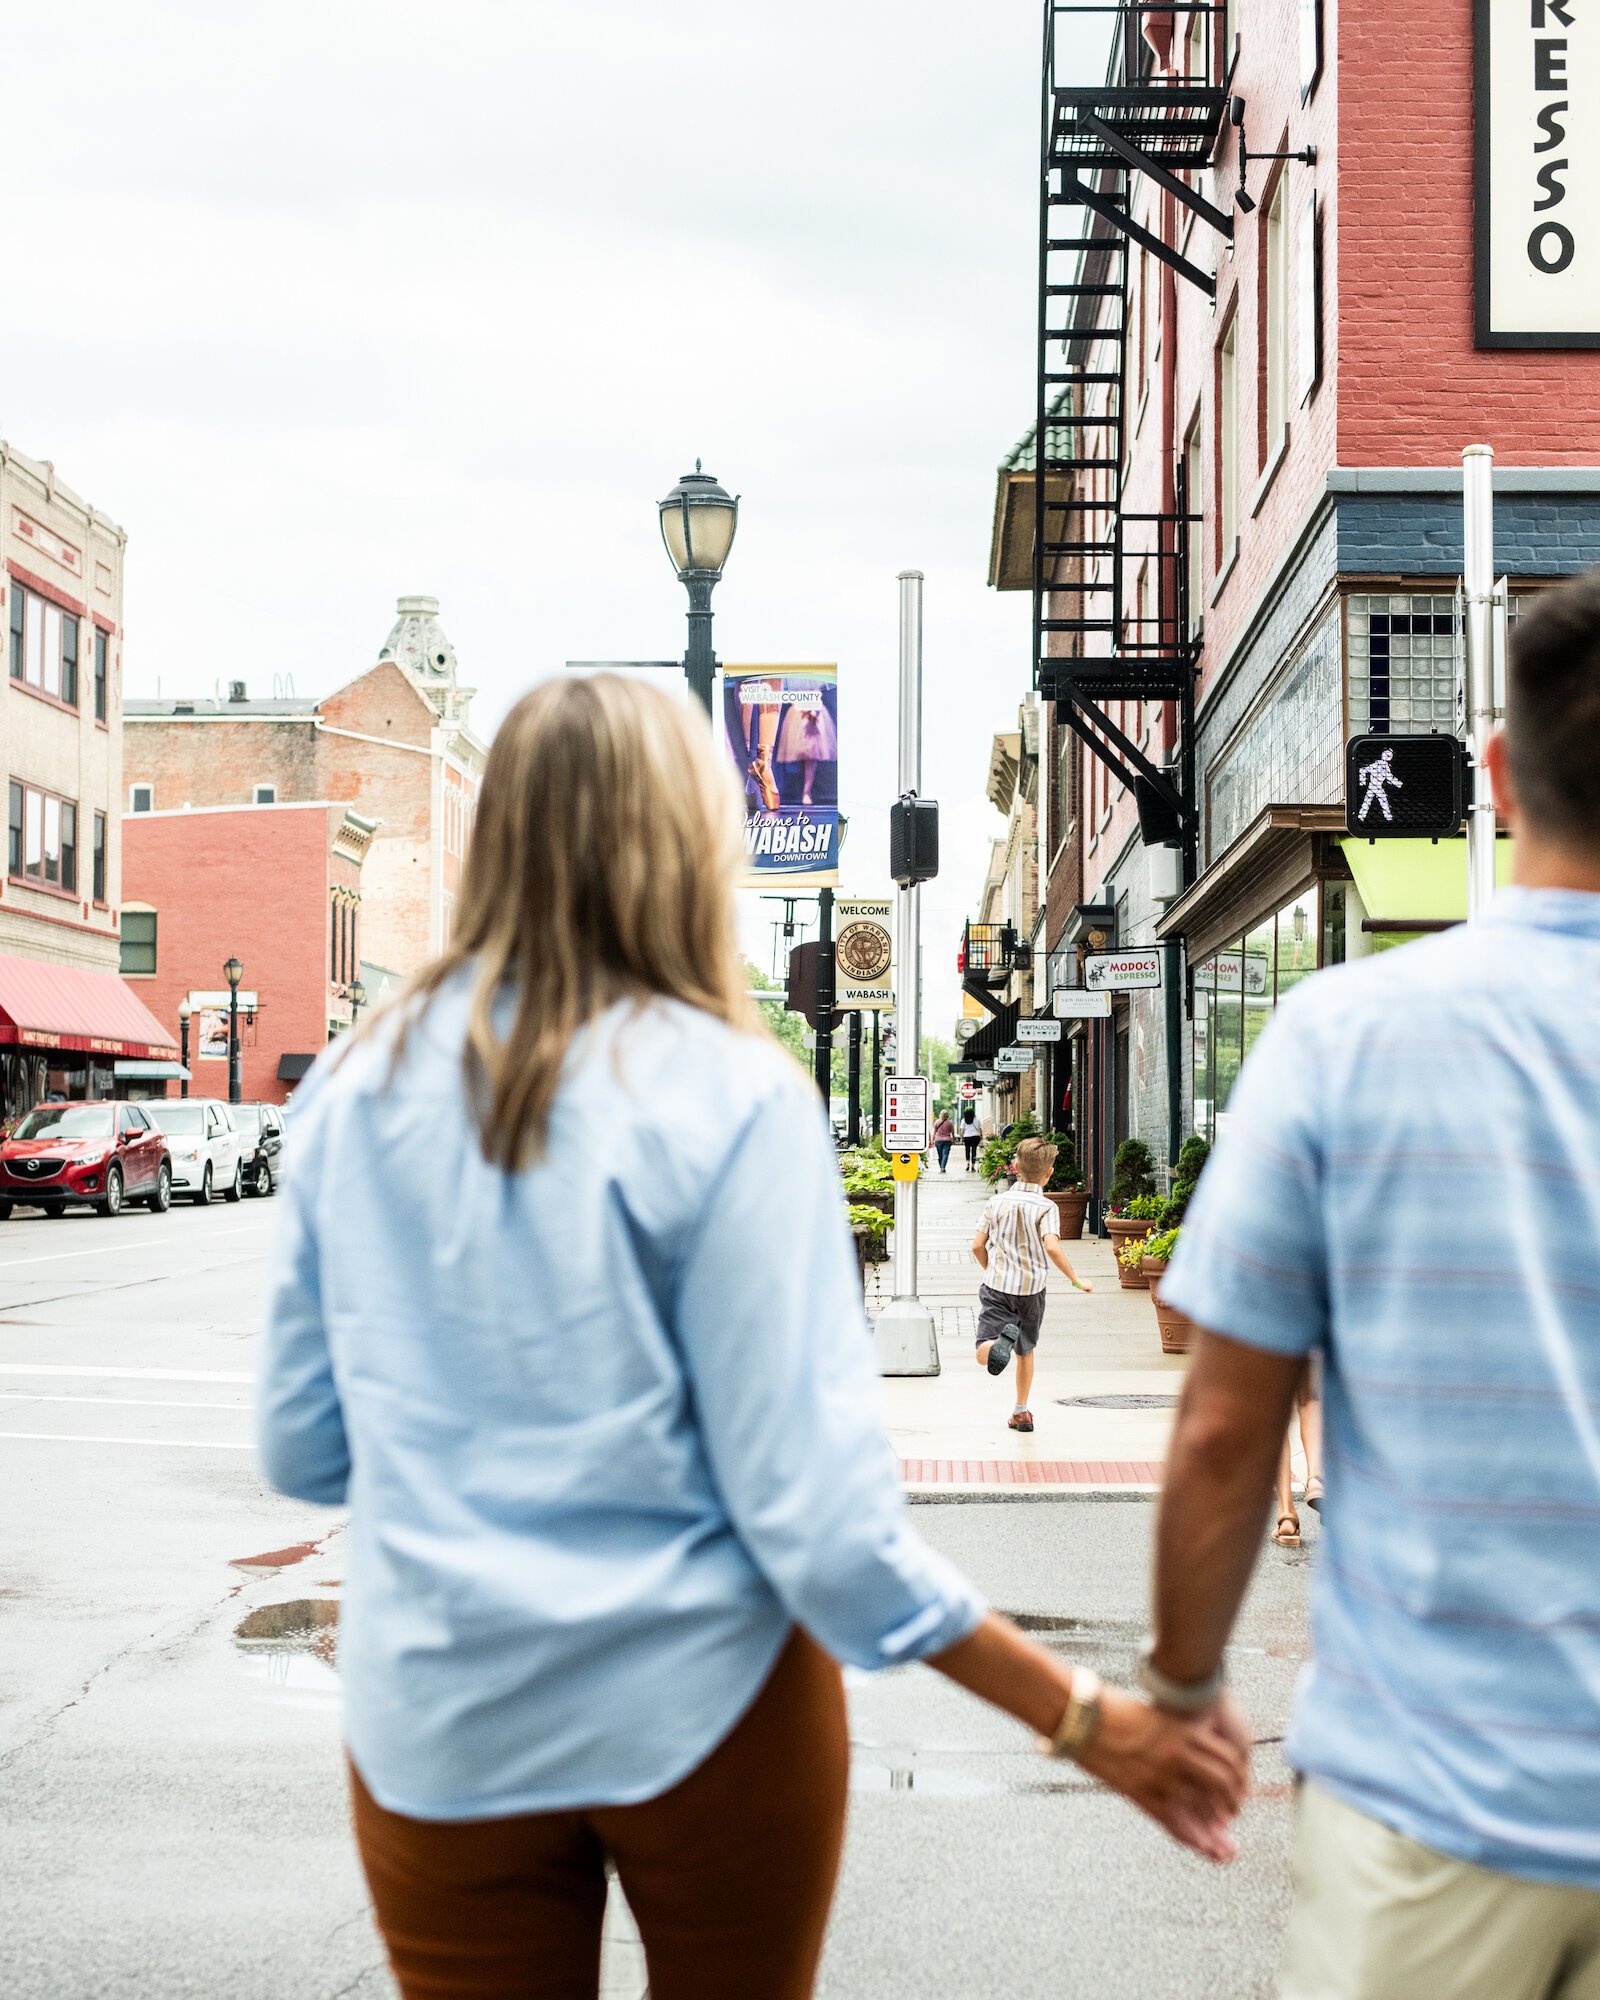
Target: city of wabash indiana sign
point(1404, 787)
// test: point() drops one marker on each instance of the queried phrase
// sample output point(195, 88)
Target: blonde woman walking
point(566, 1310)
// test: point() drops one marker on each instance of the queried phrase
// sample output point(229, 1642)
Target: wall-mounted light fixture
point(1242, 195)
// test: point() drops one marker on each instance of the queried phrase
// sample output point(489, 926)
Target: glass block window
point(1403, 658)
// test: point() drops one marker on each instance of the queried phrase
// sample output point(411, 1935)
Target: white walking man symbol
point(1378, 776)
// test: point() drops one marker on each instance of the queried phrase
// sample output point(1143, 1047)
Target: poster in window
point(1308, 295)
point(782, 726)
point(1537, 131)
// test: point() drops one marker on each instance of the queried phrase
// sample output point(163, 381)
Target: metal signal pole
point(1483, 628)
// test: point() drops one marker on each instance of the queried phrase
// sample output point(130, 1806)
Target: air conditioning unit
point(1166, 873)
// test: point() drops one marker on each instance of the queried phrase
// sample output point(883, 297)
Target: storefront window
point(1296, 953)
point(1228, 1041)
point(1205, 1012)
point(1335, 917)
point(1258, 987)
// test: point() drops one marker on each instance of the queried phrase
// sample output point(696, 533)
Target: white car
point(207, 1157)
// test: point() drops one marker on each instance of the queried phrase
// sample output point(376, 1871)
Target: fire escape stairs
point(1111, 609)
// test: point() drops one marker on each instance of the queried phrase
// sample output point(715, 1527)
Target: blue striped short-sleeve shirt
point(1409, 1180)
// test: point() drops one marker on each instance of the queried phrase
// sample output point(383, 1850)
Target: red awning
point(61, 1007)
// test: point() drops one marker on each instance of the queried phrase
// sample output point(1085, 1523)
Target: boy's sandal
point(1021, 1420)
point(1314, 1491)
point(1287, 1533)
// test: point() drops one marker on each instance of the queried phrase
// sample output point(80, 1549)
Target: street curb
point(943, 1496)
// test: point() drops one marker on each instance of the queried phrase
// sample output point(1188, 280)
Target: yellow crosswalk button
point(905, 1166)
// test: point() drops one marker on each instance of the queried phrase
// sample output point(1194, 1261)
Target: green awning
point(1407, 885)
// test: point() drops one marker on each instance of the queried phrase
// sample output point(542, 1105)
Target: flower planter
point(1177, 1329)
point(1072, 1204)
point(882, 1201)
point(1122, 1229)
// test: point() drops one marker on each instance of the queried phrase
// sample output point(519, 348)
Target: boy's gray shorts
point(998, 1310)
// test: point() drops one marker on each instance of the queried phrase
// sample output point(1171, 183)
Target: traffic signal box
point(1404, 787)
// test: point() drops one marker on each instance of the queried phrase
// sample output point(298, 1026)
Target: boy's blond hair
point(1035, 1160)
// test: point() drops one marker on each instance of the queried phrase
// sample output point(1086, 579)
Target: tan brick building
point(394, 744)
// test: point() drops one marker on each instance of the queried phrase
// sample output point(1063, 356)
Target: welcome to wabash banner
point(782, 726)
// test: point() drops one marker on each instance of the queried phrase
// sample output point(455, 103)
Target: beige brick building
point(394, 744)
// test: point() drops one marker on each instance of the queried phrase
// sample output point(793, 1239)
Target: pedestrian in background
point(944, 1137)
point(1410, 1185)
point(971, 1136)
point(1308, 1408)
point(587, 1360)
point(1018, 1240)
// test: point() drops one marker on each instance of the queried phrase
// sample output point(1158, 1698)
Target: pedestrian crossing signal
point(1404, 787)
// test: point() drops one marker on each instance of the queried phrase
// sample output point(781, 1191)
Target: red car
point(98, 1156)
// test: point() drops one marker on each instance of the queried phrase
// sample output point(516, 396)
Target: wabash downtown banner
point(783, 733)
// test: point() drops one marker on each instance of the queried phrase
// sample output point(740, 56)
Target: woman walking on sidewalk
point(586, 1359)
point(944, 1137)
point(971, 1137)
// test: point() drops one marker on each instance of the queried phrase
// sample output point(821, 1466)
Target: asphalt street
point(173, 1818)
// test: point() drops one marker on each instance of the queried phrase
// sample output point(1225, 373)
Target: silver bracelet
point(1178, 1697)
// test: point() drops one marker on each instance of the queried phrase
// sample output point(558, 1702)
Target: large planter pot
point(883, 1202)
point(1072, 1204)
point(1122, 1230)
point(1177, 1329)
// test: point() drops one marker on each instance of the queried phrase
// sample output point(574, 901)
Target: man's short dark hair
point(1553, 713)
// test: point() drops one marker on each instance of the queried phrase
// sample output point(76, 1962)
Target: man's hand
point(1190, 1774)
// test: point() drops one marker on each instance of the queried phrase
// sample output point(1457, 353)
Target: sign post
point(1477, 577)
point(904, 1330)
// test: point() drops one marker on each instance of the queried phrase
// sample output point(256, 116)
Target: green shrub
point(1143, 1208)
point(1133, 1175)
point(865, 1172)
point(1192, 1156)
point(875, 1224)
point(999, 1152)
point(1064, 1175)
point(1163, 1244)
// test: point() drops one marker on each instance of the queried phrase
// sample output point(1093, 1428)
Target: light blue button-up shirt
point(1410, 1181)
point(608, 1428)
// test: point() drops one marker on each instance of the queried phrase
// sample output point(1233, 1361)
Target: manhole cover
point(1119, 1402)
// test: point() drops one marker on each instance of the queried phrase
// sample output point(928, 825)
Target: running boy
point(1018, 1240)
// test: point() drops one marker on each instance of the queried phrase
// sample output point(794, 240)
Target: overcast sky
point(326, 303)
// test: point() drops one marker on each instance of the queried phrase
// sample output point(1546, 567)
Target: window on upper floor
point(264, 795)
point(141, 798)
point(102, 663)
point(138, 941)
point(1194, 527)
point(44, 645)
point(1228, 443)
point(42, 838)
point(1275, 326)
point(98, 859)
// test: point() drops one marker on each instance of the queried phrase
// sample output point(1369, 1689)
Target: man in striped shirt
point(1018, 1240)
point(1410, 1185)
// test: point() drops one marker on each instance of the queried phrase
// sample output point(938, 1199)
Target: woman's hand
point(1190, 1774)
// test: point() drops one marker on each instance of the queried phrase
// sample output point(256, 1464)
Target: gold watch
point(1080, 1724)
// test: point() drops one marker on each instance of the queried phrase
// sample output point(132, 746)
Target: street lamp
point(233, 972)
point(358, 1000)
point(184, 1011)
point(698, 520)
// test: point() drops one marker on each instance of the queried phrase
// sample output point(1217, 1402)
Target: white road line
point(177, 1444)
point(110, 1250)
point(124, 1402)
point(131, 1374)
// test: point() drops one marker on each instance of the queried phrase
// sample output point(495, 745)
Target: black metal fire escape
point(1111, 588)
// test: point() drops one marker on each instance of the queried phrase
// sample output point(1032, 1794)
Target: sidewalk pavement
point(1103, 1393)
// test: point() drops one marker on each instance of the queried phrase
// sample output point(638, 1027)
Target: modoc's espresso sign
point(1121, 971)
point(1537, 223)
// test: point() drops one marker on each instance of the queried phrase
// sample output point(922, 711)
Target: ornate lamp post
point(184, 1011)
point(233, 972)
point(358, 1000)
point(698, 520)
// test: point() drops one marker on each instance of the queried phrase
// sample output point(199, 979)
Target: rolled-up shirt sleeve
point(1252, 1260)
point(300, 1429)
point(775, 1343)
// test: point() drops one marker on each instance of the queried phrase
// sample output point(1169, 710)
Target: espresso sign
point(1537, 224)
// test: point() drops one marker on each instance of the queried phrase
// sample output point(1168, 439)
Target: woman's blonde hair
point(601, 868)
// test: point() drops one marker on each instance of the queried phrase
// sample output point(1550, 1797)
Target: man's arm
point(1223, 1455)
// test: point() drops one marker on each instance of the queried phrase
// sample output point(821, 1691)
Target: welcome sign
point(1537, 224)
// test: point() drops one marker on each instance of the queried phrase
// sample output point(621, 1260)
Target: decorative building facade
point(1262, 357)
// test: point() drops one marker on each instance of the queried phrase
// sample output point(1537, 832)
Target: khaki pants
point(1377, 1916)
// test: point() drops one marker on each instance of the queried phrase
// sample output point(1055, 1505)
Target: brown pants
point(729, 1875)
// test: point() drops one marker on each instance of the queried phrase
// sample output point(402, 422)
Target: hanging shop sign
point(1537, 228)
point(1121, 971)
point(1042, 1029)
point(863, 953)
point(1015, 1057)
point(986, 1076)
point(782, 726)
point(905, 1114)
point(1404, 787)
point(1071, 1003)
point(1223, 972)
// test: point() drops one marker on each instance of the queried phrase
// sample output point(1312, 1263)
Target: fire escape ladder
point(1110, 585)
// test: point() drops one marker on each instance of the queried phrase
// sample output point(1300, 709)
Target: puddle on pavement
point(275, 1559)
point(292, 1645)
point(1126, 1402)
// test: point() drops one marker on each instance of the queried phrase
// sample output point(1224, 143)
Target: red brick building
point(1244, 535)
point(276, 886)
point(394, 744)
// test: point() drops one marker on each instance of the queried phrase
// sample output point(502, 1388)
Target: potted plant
point(1130, 1264)
point(1065, 1187)
point(1192, 1156)
point(868, 1179)
point(1177, 1329)
point(870, 1228)
point(995, 1161)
